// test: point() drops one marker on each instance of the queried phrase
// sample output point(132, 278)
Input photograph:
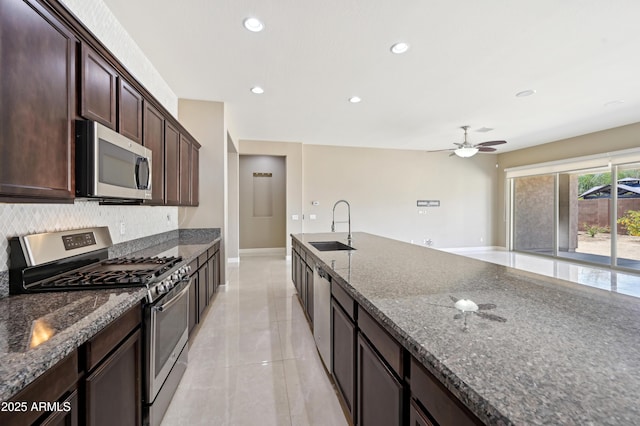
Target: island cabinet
point(112, 390)
point(58, 387)
point(153, 138)
point(302, 276)
point(37, 106)
point(379, 363)
point(343, 347)
point(435, 404)
point(378, 381)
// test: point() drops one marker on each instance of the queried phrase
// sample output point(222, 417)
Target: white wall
point(293, 157)
point(383, 186)
point(97, 17)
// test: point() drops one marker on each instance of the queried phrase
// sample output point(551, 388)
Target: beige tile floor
point(253, 360)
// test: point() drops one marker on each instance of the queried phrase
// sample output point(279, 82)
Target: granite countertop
point(539, 351)
point(69, 319)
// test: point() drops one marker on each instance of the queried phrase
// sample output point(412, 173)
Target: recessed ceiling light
point(525, 93)
point(257, 90)
point(355, 99)
point(399, 48)
point(617, 102)
point(253, 25)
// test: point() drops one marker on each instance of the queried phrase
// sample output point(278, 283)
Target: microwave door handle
point(139, 162)
point(173, 300)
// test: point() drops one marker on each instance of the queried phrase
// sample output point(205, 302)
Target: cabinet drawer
point(49, 387)
point(441, 404)
point(386, 345)
point(202, 259)
point(346, 301)
point(105, 341)
point(194, 267)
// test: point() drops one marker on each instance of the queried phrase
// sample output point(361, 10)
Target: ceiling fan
point(467, 149)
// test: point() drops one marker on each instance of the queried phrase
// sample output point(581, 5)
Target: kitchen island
point(537, 351)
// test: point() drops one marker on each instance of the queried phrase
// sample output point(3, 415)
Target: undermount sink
point(330, 245)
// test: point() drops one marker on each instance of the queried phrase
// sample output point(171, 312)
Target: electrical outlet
point(123, 228)
point(312, 217)
point(295, 217)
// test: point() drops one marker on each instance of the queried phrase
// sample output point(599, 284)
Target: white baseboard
point(275, 251)
point(466, 249)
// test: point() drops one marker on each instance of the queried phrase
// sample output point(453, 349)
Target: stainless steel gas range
point(78, 260)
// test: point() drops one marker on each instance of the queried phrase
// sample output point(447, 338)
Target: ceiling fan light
point(466, 152)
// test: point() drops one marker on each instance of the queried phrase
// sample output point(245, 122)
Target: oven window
point(170, 326)
point(117, 165)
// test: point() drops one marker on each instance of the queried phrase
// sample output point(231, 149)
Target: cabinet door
point(65, 418)
point(153, 138)
point(113, 392)
point(202, 290)
point(416, 417)
point(379, 392)
point(343, 347)
point(216, 271)
point(37, 69)
point(172, 164)
point(210, 278)
point(195, 179)
point(193, 301)
point(98, 87)
point(185, 171)
point(309, 302)
point(129, 111)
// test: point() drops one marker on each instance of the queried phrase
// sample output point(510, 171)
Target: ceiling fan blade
point(485, 149)
point(441, 150)
point(490, 143)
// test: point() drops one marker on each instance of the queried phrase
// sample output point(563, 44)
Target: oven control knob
point(161, 289)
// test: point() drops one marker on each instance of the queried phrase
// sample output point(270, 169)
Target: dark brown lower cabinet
point(438, 401)
point(65, 418)
point(56, 385)
point(308, 271)
point(113, 389)
point(343, 348)
point(416, 417)
point(202, 290)
point(379, 392)
point(193, 297)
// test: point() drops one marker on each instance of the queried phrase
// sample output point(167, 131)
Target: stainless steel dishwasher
point(322, 314)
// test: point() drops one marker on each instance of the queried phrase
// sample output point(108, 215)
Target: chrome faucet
point(333, 221)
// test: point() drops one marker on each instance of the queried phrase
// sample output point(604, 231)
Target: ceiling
point(466, 62)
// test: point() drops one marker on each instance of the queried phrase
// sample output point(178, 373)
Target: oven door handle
point(171, 302)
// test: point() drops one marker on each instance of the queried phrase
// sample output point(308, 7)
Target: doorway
point(262, 203)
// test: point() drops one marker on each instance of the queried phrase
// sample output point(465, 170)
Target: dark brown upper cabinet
point(172, 164)
point(154, 140)
point(98, 86)
point(195, 170)
point(185, 171)
point(129, 111)
point(37, 104)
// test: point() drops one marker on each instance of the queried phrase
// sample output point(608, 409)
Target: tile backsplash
point(136, 221)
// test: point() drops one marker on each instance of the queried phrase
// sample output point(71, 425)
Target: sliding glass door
point(533, 214)
point(587, 215)
point(628, 216)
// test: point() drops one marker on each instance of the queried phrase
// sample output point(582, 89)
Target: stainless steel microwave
point(109, 165)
